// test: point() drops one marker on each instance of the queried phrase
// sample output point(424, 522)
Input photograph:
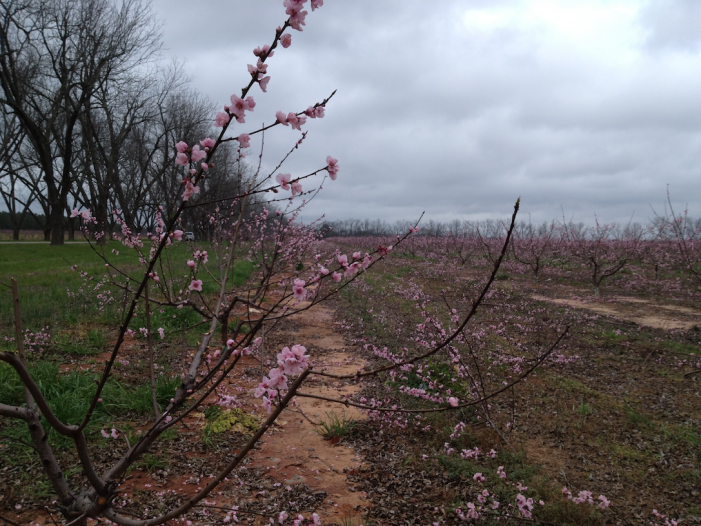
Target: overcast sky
point(459, 107)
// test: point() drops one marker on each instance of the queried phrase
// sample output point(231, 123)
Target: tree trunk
point(71, 229)
point(101, 216)
point(58, 227)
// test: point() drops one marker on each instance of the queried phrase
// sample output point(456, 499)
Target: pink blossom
point(283, 180)
point(178, 235)
point(222, 119)
point(240, 106)
point(336, 276)
point(260, 67)
point(182, 159)
point(204, 166)
point(324, 271)
point(293, 361)
point(114, 433)
point(263, 83)
point(297, 16)
point(104, 433)
point(244, 140)
point(85, 214)
point(278, 380)
point(190, 189)
point(191, 263)
point(286, 40)
point(282, 517)
point(260, 51)
point(343, 260)
point(197, 154)
point(237, 106)
point(298, 289)
point(316, 4)
point(453, 401)
point(207, 143)
point(182, 147)
point(196, 284)
point(296, 121)
point(296, 188)
point(281, 117)
point(267, 404)
point(332, 167)
point(75, 213)
point(161, 333)
point(352, 270)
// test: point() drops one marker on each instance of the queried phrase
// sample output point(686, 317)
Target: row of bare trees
point(89, 116)
point(670, 241)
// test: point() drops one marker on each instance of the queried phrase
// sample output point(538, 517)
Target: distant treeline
point(431, 228)
point(29, 222)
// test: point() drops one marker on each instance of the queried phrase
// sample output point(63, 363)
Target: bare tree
point(54, 57)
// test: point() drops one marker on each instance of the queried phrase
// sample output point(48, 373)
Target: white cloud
point(458, 111)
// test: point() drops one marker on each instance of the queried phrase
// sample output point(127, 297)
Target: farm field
point(491, 315)
point(613, 409)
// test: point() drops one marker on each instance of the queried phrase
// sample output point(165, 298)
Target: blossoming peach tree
point(270, 237)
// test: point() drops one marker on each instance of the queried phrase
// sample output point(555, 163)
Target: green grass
point(69, 396)
point(585, 409)
point(45, 277)
point(678, 347)
point(336, 426)
point(635, 417)
point(557, 510)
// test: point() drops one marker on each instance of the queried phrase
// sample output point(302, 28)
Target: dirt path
point(295, 452)
point(292, 452)
point(637, 310)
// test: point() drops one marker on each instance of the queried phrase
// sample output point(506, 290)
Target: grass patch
point(635, 417)
point(336, 426)
point(69, 396)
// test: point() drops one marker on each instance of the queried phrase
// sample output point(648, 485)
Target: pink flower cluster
point(196, 154)
point(113, 433)
point(525, 505)
point(291, 119)
point(314, 112)
point(84, 214)
point(291, 362)
point(667, 522)
point(257, 73)
point(299, 291)
point(586, 497)
point(332, 167)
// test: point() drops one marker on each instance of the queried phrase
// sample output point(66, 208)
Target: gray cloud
point(458, 110)
point(672, 24)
